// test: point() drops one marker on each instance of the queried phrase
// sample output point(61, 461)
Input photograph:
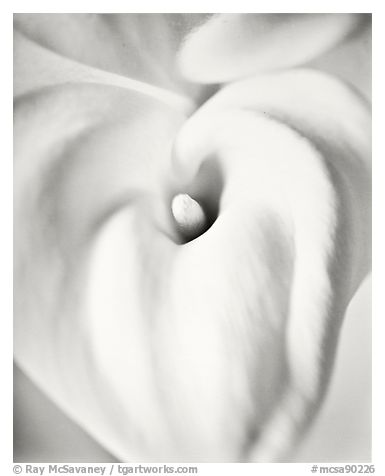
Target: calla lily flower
point(192, 211)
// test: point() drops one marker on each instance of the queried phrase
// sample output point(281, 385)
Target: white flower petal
point(189, 352)
point(81, 153)
point(36, 67)
point(303, 161)
point(141, 47)
point(163, 351)
point(232, 46)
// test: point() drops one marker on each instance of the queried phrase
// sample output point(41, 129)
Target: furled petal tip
point(232, 46)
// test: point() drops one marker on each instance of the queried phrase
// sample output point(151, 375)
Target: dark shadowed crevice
point(205, 192)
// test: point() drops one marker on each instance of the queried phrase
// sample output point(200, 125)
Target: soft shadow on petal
point(82, 152)
point(337, 119)
point(36, 67)
point(232, 46)
point(42, 432)
point(137, 46)
point(350, 61)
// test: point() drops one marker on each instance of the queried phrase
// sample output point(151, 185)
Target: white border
point(378, 195)
point(198, 6)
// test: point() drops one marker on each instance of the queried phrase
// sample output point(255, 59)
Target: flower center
point(189, 216)
point(194, 216)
